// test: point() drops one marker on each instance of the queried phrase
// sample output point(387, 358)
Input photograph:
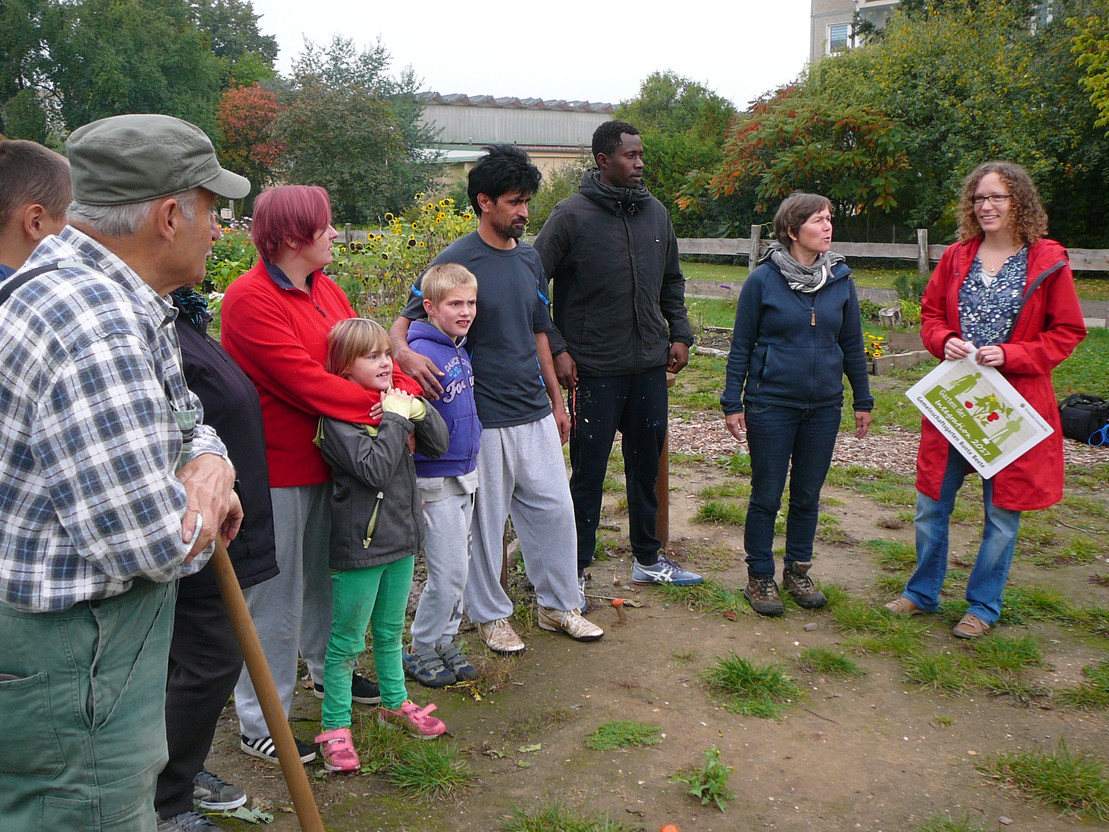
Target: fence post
point(753, 252)
point(923, 265)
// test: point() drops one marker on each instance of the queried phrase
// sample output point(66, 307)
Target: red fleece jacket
point(278, 336)
point(1048, 329)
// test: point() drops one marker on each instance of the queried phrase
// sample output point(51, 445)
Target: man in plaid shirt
point(110, 485)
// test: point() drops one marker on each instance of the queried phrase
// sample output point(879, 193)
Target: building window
point(839, 37)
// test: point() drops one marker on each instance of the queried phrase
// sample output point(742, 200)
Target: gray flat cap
point(133, 158)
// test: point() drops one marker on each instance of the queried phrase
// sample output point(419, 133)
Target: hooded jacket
point(1048, 328)
point(793, 348)
point(376, 513)
point(456, 405)
point(619, 294)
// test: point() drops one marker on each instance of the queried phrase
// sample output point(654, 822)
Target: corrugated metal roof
point(476, 120)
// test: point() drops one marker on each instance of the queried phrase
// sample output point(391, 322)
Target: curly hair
point(1029, 217)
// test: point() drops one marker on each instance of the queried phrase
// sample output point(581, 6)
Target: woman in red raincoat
point(1007, 292)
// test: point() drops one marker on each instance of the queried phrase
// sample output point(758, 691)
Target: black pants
point(636, 406)
point(204, 664)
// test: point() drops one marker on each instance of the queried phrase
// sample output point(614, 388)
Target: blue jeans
point(777, 437)
point(995, 555)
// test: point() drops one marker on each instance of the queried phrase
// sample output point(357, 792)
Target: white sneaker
point(499, 636)
point(570, 622)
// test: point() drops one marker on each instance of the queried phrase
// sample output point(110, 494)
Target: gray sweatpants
point(447, 551)
point(292, 610)
point(521, 472)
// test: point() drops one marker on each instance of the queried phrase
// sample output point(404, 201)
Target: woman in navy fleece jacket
point(797, 333)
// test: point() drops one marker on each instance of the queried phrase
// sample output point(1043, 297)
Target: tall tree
point(131, 56)
point(355, 129)
point(785, 143)
point(231, 29)
point(247, 146)
point(972, 81)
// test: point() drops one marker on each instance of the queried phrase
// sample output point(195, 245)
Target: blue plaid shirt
point(90, 377)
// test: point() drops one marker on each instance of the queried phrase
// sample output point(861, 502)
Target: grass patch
point(751, 689)
point(621, 734)
point(708, 596)
point(423, 770)
point(884, 487)
point(946, 672)
point(429, 771)
point(731, 488)
point(554, 817)
point(739, 464)
point(828, 662)
point(894, 555)
point(1011, 654)
point(1032, 603)
point(720, 513)
point(1090, 695)
point(1074, 785)
point(938, 824)
point(828, 529)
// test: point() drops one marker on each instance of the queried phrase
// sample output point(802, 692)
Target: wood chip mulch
point(892, 448)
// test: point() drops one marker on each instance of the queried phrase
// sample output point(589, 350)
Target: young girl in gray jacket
point(376, 529)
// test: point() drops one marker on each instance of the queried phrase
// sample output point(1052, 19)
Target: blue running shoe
point(664, 572)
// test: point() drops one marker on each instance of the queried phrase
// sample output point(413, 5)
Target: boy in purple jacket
point(447, 484)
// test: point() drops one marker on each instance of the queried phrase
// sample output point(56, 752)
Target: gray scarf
point(801, 278)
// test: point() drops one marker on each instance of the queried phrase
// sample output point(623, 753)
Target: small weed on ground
point(554, 817)
point(709, 783)
point(1075, 785)
point(751, 689)
point(621, 734)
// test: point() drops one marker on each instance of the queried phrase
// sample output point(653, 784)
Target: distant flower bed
point(378, 274)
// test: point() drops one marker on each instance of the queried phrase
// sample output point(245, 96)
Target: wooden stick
point(303, 801)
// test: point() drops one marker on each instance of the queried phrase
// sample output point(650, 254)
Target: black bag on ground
point(1083, 416)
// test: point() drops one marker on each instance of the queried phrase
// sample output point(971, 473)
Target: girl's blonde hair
point(352, 339)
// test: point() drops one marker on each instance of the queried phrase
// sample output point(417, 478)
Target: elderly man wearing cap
point(110, 486)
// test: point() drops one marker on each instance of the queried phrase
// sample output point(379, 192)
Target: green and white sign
point(980, 413)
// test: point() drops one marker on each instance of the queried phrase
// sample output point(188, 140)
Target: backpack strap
point(12, 283)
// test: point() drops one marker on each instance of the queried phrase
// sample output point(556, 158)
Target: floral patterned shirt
point(988, 307)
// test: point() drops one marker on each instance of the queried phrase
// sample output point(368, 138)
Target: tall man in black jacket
point(621, 324)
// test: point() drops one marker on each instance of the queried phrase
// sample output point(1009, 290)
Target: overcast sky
point(592, 51)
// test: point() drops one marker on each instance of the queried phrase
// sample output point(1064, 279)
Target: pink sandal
point(417, 721)
point(337, 749)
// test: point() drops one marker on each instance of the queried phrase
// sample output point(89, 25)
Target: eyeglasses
point(994, 199)
point(1099, 437)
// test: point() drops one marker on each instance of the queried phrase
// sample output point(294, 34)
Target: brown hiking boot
point(763, 595)
point(796, 581)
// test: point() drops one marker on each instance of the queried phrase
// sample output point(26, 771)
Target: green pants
point(377, 597)
point(82, 712)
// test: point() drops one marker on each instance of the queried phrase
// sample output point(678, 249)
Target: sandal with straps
point(337, 748)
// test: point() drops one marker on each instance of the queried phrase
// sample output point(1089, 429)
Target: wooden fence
point(1081, 259)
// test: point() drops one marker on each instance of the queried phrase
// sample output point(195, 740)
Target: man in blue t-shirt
point(34, 193)
point(524, 420)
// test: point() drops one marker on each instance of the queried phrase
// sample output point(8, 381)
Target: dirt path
point(873, 753)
